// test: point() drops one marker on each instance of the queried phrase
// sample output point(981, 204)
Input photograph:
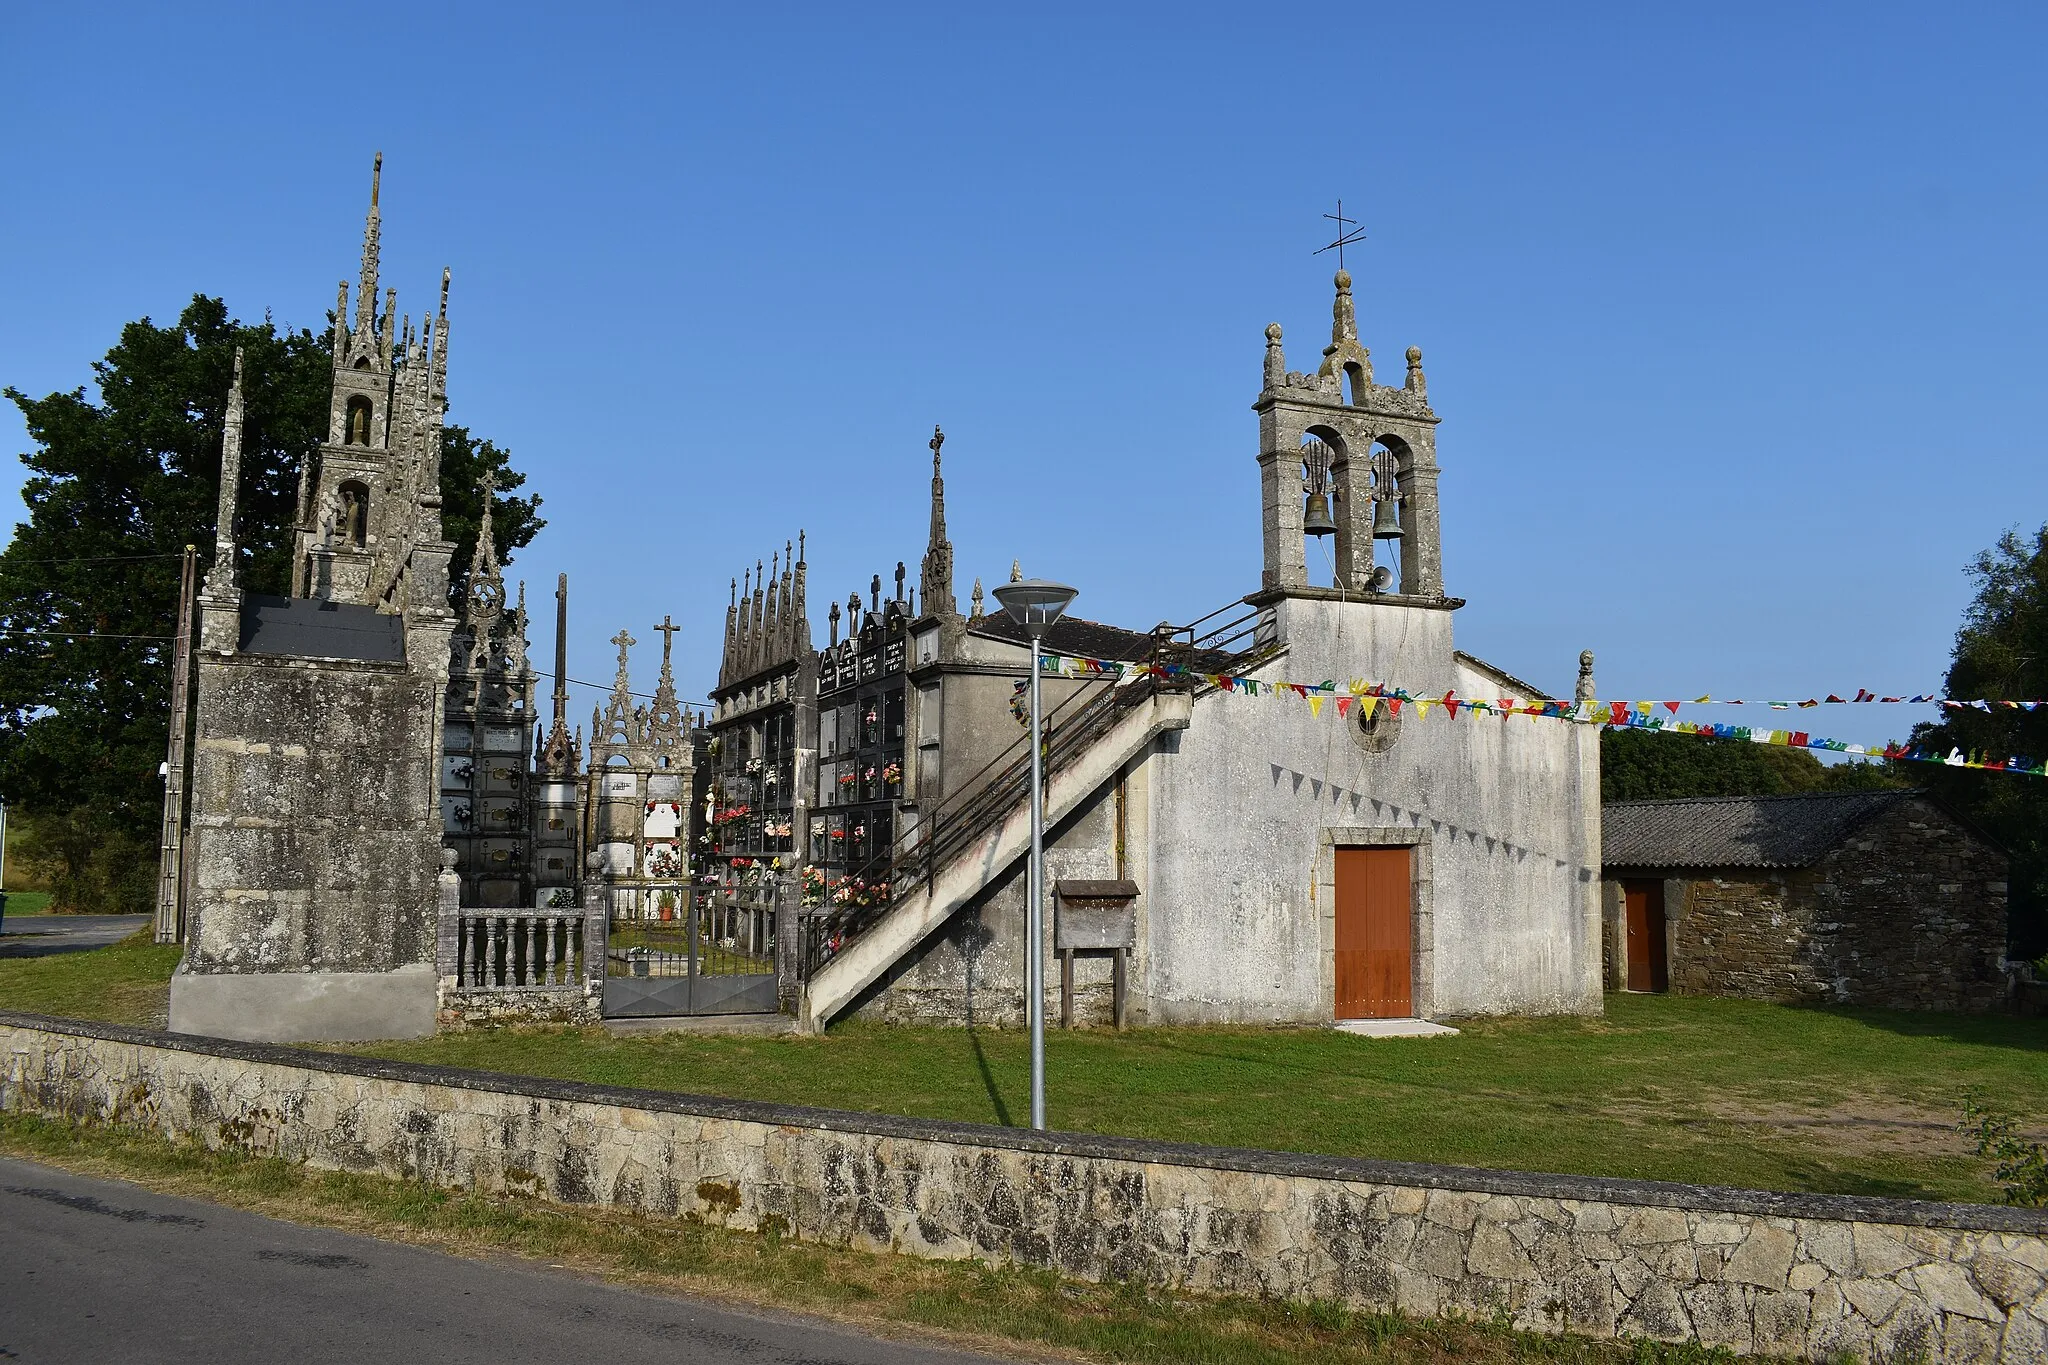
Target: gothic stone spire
point(364, 339)
point(559, 758)
point(221, 579)
point(935, 584)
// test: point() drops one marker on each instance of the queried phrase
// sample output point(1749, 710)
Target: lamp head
point(1035, 603)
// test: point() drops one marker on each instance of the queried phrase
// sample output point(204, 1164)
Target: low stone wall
point(1800, 1275)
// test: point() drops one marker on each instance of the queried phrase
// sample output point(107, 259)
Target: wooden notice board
point(1375, 933)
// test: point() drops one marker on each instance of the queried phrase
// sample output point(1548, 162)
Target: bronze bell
point(1316, 521)
point(1384, 524)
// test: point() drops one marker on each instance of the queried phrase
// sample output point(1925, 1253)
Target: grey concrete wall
point(1503, 813)
point(972, 971)
point(1808, 1276)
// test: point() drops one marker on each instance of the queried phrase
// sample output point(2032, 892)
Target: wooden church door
point(1643, 900)
point(1375, 933)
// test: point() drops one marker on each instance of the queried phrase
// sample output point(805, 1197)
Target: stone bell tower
point(1378, 447)
point(372, 494)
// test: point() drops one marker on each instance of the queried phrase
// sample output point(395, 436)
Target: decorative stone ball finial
point(1414, 355)
point(1343, 281)
point(595, 862)
point(1272, 334)
point(449, 857)
point(1585, 690)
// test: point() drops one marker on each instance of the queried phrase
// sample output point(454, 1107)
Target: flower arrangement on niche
point(892, 774)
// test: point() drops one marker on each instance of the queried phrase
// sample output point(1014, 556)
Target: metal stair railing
point(1181, 656)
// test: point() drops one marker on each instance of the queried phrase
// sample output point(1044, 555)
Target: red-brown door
point(1644, 900)
point(1375, 933)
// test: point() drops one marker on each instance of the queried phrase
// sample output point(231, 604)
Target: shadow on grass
point(1976, 1030)
point(988, 1079)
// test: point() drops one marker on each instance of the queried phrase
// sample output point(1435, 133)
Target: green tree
point(2001, 653)
point(117, 487)
point(1641, 765)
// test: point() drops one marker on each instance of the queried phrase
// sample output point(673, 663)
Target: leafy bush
point(2022, 1164)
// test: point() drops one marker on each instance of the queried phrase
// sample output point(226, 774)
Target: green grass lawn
point(27, 903)
point(1665, 1087)
point(1671, 1088)
point(126, 983)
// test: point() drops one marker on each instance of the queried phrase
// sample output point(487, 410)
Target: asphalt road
point(41, 935)
point(101, 1271)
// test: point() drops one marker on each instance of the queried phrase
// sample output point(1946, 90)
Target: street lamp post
point(1035, 604)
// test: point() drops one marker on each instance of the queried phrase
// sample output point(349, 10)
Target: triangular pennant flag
point(1343, 706)
point(1315, 706)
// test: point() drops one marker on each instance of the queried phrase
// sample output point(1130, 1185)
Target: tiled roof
point(1074, 636)
point(1734, 831)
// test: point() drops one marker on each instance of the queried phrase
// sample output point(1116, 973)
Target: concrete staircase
point(994, 844)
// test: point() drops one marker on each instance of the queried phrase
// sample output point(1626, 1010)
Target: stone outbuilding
point(1882, 898)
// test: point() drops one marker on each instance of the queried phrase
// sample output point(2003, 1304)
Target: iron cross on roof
point(1347, 233)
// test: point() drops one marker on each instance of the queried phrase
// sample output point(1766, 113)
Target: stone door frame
point(1421, 910)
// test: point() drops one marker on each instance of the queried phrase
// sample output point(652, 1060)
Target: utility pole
point(170, 879)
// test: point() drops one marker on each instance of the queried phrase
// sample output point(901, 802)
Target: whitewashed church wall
point(1246, 800)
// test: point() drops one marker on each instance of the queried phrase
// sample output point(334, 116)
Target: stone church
point(1214, 859)
point(384, 836)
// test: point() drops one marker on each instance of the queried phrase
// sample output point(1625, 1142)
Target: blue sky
point(1734, 317)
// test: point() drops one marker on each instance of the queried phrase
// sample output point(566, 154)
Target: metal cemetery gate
point(689, 948)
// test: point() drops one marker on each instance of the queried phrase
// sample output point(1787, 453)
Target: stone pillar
point(595, 927)
point(788, 942)
point(448, 924)
point(1352, 477)
point(1280, 497)
point(1422, 570)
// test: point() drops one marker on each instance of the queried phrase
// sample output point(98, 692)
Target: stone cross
point(623, 641)
point(668, 631)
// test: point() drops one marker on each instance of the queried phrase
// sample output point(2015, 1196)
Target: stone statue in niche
point(352, 517)
point(359, 424)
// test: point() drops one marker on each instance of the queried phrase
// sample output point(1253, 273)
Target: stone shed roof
point(1072, 635)
point(1735, 831)
point(300, 627)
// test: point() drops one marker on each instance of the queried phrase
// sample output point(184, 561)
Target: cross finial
point(1347, 233)
point(624, 642)
point(938, 439)
point(668, 631)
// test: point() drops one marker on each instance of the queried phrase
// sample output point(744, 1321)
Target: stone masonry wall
point(315, 837)
point(1801, 1275)
point(1742, 933)
point(1921, 904)
point(1908, 912)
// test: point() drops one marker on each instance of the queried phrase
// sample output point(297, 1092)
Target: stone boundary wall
point(1812, 1276)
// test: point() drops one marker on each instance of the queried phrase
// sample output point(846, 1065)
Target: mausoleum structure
point(314, 830)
